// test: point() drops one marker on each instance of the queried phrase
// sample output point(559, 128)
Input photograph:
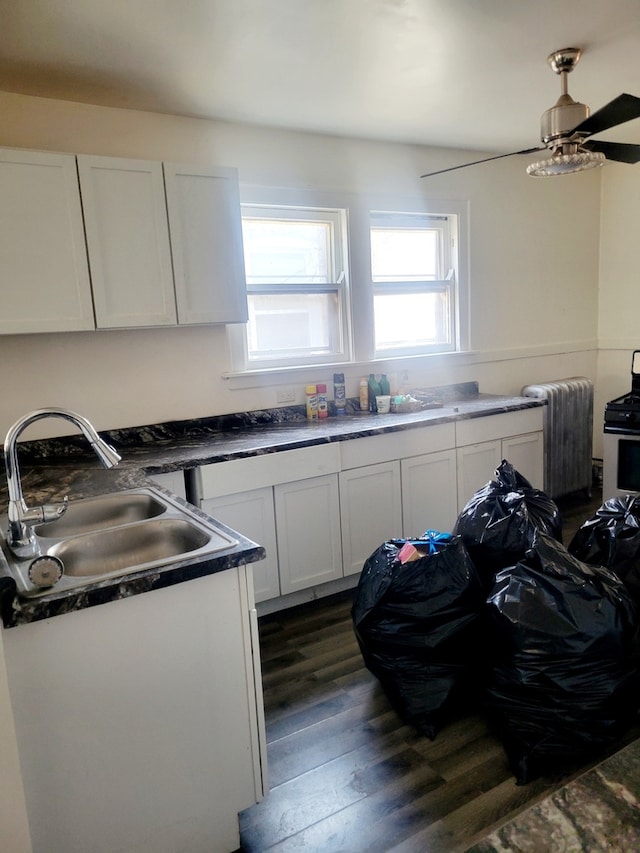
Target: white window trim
point(303, 212)
point(360, 329)
point(446, 224)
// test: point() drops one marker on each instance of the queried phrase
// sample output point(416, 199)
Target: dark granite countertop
point(67, 465)
point(598, 812)
point(53, 468)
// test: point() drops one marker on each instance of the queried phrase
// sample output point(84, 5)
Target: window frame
point(339, 263)
point(445, 281)
point(360, 352)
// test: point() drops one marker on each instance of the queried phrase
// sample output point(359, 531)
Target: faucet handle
point(41, 514)
point(51, 512)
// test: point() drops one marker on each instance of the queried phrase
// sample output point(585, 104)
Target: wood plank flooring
point(346, 775)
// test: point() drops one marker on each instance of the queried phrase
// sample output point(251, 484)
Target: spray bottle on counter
point(312, 402)
point(323, 410)
point(339, 394)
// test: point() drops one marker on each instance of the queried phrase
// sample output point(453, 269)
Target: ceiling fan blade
point(485, 160)
point(621, 109)
point(620, 151)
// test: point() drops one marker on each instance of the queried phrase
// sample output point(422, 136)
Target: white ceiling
point(454, 73)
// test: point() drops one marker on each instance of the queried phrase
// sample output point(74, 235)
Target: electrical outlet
point(285, 395)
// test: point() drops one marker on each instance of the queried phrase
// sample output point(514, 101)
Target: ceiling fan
point(566, 128)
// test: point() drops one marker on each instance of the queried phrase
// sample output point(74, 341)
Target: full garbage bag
point(611, 538)
point(562, 680)
point(499, 521)
point(417, 626)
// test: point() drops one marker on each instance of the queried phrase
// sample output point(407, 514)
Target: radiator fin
point(568, 434)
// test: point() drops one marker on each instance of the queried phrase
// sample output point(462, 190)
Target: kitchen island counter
point(598, 811)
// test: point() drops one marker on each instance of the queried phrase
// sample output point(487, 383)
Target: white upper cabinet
point(44, 278)
point(128, 242)
point(206, 243)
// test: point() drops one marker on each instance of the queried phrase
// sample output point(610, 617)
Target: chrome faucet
point(20, 536)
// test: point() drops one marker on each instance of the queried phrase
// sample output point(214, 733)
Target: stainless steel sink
point(124, 548)
point(103, 512)
point(113, 535)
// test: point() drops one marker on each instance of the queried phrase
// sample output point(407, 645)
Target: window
point(414, 284)
point(338, 278)
point(295, 264)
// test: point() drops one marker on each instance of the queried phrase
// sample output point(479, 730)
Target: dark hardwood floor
point(345, 774)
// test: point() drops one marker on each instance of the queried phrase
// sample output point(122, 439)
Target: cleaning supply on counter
point(339, 394)
point(385, 386)
point(364, 395)
point(323, 410)
point(312, 402)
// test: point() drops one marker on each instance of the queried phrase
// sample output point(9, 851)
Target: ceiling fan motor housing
point(560, 120)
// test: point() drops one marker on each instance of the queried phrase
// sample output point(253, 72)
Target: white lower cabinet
point(482, 443)
point(140, 723)
point(526, 454)
point(252, 514)
point(321, 511)
point(308, 530)
point(429, 493)
point(173, 481)
point(476, 464)
point(370, 511)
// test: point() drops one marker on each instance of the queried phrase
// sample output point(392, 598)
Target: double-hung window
point(296, 273)
point(413, 262)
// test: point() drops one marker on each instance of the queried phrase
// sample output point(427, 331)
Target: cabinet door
point(526, 454)
point(429, 493)
point(476, 466)
point(308, 525)
point(128, 242)
point(173, 481)
point(252, 514)
point(370, 510)
point(44, 277)
point(206, 243)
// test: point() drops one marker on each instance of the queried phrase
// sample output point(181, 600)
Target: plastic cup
point(383, 404)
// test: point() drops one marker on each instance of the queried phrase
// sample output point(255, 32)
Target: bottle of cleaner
point(339, 394)
point(374, 391)
point(364, 395)
point(323, 410)
point(312, 402)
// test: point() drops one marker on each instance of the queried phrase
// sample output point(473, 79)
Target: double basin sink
point(113, 535)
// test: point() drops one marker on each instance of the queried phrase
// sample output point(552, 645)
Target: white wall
point(533, 268)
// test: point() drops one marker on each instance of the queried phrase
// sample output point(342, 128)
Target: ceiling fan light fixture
point(566, 164)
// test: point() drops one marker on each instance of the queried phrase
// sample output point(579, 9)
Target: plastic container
point(364, 395)
point(385, 386)
point(374, 391)
point(339, 394)
point(312, 402)
point(323, 411)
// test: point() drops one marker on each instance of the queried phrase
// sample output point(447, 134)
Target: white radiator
point(568, 434)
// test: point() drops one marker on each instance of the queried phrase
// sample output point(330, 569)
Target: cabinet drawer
point(476, 430)
point(396, 445)
point(241, 475)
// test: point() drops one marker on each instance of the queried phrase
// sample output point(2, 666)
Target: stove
point(623, 414)
point(621, 463)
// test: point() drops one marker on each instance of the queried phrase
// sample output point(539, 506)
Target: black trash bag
point(562, 681)
point(611, 538)
point(498, 523)
point(417, 626)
